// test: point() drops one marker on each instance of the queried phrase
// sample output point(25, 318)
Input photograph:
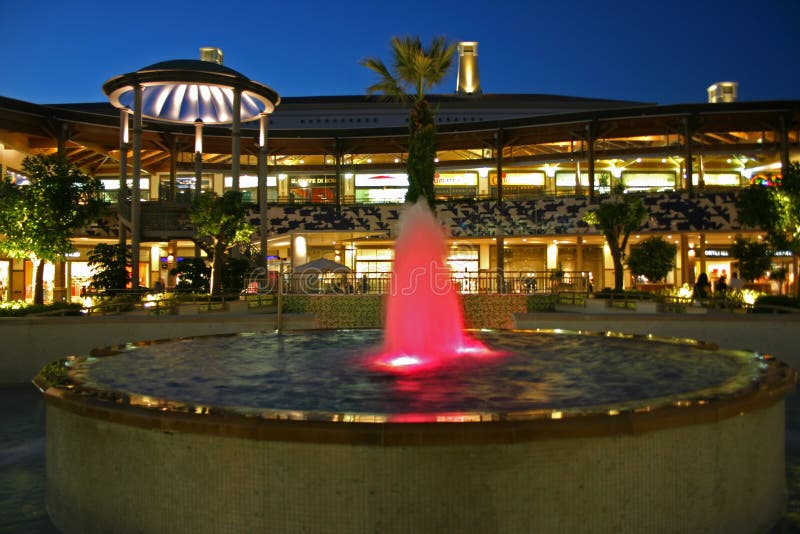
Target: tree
point(754, 258)
point(653, 258)
point(38, 219)
point(193, 275)
point(220, 226)
point(774, 209)
point(616, 217)
point(110, 266)
point(418, 69)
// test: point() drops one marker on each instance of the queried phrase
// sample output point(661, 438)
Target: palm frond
point(414, 66)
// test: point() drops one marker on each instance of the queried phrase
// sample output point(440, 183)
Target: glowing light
point(402, 361)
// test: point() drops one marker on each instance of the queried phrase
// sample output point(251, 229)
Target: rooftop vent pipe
point(211, 54)
point(468, 81)
point(723, 92)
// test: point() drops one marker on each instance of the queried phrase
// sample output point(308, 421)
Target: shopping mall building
point(326, 175)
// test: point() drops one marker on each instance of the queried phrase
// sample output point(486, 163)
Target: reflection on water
point(329, 372)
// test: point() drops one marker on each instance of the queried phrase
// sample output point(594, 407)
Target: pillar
point(687, 164)
point(263, 216)
point(236, 137)
point(590, 133)
point(498, 136)
point(173, 169)
point(136, 227)
point(501, 260)
point(784, 141)
point(686, 273)
point(124, 120)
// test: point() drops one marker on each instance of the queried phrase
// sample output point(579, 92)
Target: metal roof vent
point(469, 81)
point(211, 54)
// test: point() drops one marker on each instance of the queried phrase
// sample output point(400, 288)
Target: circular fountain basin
point(556, 431)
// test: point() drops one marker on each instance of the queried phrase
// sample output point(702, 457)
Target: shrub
point(20, 308)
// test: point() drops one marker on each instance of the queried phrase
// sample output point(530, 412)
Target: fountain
point(484, 432)
point(424, 324)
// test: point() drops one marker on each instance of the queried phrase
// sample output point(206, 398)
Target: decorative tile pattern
point(548, 216)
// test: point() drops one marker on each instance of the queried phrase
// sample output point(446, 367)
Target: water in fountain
point(424, 323)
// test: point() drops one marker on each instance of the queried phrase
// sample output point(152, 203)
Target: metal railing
point(378, 283)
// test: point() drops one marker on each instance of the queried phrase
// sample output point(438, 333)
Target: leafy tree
point(220, 226)
point(110, 266)
point(37, 220)
point(418, 69)
point(653, 258)
point(234, 273)
point(194, 275)
point(754, 257)
point(616, 217)
point(775, 210)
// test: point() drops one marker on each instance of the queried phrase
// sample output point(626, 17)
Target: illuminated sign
point(455, 178)
point(248, 181)
point(716, 253)
point(520, 178)
point(381, 180)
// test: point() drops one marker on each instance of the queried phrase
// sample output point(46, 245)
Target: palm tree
point(415, 70)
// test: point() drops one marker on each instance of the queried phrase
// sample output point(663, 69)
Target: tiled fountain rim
point(774, 382)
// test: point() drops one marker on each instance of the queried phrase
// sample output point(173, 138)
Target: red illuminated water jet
point(424, 323)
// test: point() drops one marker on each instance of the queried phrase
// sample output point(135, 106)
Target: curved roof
point(184, 90)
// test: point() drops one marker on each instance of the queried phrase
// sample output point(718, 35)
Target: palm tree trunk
point(421, 154)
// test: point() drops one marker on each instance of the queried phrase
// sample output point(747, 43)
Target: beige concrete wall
point(723, 476)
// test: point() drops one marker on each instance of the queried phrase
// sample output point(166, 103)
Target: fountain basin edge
point(703, 465)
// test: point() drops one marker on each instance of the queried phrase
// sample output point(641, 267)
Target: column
point(686, 273)
point(198, 157)
point(236, 137)
point(263, 215)
point(700, 257)
point(124, 120)
point(136, 227)
point(687, 164)
point(590, 132)
point(498, 136)
point(784, 141)
point(173, 169)
point(501, 260)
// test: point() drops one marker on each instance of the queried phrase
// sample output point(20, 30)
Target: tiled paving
point(22, 473)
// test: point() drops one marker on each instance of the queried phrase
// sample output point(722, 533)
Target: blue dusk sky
point(56, 51)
